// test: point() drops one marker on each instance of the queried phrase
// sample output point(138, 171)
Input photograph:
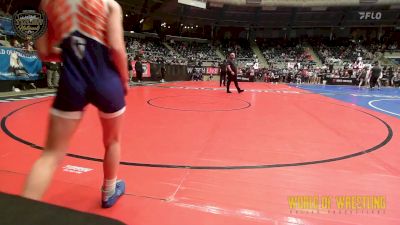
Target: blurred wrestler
point(90, 35)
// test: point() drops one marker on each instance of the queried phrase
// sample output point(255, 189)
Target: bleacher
point(341, 51)
point(152, 48)
point(244, 53)
point(195, 51)
point(280, 52)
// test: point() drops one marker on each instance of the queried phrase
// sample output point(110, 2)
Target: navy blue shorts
point(75, 93)
point(88, 76)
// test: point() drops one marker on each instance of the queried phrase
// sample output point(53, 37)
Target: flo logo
point(370, 15)
point(29, 24)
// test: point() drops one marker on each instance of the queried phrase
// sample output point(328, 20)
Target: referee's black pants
point(222, 79)
point(234, 79)
point(139, 76)
point(373, 81)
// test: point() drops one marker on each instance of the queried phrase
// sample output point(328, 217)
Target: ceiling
point(268, 13)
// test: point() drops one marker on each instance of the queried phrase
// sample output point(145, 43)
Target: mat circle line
point(151, 103)
point(370, 103)
point(171, 166)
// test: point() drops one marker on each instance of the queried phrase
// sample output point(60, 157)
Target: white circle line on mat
point(383, 110)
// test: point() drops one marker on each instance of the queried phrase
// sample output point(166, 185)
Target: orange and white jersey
point(89, 17)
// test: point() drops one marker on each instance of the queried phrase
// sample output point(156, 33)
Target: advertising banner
point(146, 69)
point(6, 26)
point(16, 64)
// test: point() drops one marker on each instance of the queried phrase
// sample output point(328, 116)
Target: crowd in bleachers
point(316, 75)
point(152, 50)
point(278, 51)
point(242, 48)
point(374, 46)
point(341, 51)
point(377, 48)
point(195, 51)
point(287, 60)
point(275, 51)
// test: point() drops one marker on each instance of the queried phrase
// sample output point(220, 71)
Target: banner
point(196, 69)
point(146, 69)
point(213, 70)
point(378, 17)
point(242, 78)
point(341, 81)
point(28, 63)
point(6, 26)
point(369, 15)
point(203, 70)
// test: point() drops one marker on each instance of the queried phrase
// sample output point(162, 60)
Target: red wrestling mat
point(201, 156)
point(215, 85)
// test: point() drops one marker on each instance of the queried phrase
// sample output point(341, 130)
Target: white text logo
point(370, 15)
point(76, 169)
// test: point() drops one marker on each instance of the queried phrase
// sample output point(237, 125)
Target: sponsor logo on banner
point(370, 15)
point(6, 25)
point(339, 81)
point(212, 70)
point(191, 70)
point(202, 70)
point(342, 81)
point(29, 24)
point(146, 69)
point(76, 169)
point(28, 60)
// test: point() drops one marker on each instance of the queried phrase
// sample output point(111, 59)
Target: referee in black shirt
point(232, 73)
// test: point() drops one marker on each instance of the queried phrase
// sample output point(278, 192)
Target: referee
point(375, 73)
point(232, 73)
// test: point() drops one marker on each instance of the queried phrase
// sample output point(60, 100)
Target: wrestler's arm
point(115, 35)
point(45, 49)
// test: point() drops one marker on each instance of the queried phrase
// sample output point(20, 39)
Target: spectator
point(53, 75)
point(130, 70)
point(163, 71)
point(396, 79)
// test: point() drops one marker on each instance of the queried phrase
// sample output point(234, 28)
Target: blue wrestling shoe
point(119, 191)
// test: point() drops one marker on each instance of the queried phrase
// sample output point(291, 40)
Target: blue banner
point(28, 64)
point(6, 26)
